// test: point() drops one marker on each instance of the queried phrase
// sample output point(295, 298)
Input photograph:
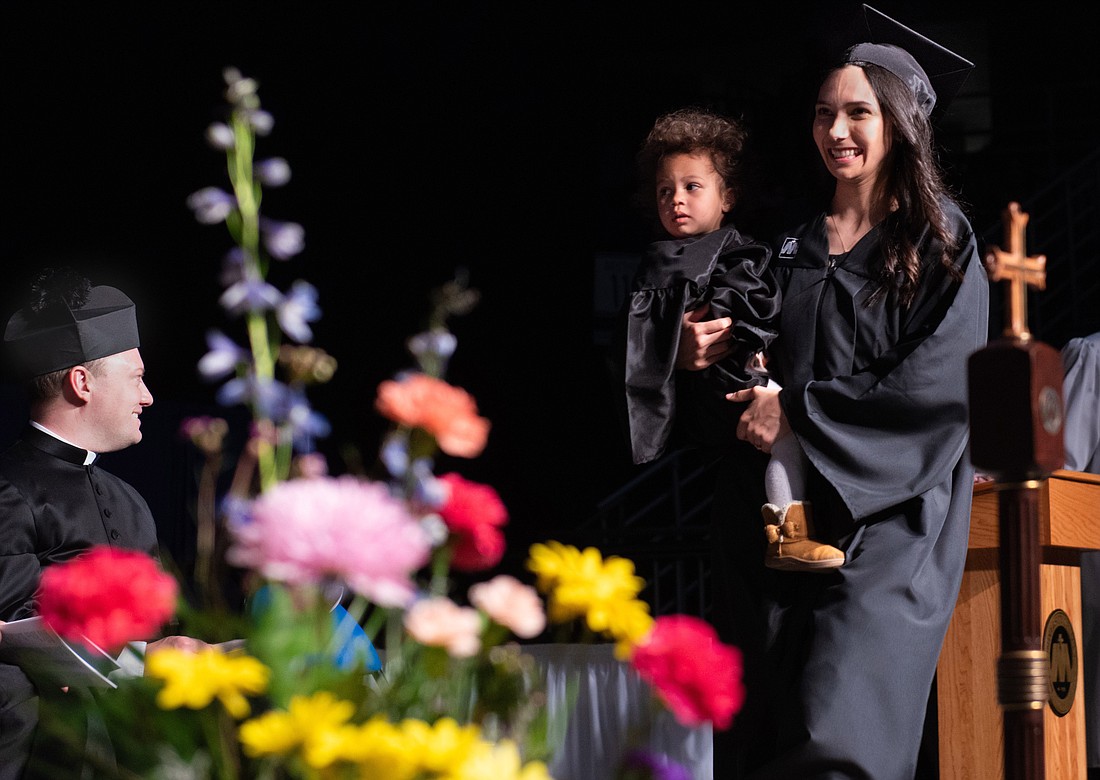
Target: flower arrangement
point(350, 656)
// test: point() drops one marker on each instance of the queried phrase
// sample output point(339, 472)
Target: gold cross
point(1019, 269)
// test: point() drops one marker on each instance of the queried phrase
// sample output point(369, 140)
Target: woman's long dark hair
point(914, 184)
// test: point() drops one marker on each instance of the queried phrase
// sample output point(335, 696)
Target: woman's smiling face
point(849, 128)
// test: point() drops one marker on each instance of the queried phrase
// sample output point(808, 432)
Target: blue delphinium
point(277, 398)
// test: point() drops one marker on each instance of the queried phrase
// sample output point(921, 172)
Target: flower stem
point(248, 204)
point(374, 623)
point(441, 567)
point(214, 728)
point(207, 531)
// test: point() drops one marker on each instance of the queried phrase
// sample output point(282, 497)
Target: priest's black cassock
point(52, 507)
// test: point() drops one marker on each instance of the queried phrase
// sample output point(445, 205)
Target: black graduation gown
point(730, 272)
point(877, 396)
point(52, 507)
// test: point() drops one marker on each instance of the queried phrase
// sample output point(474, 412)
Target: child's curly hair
point(691, 131)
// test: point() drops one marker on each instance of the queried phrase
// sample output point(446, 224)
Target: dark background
point(496, 138)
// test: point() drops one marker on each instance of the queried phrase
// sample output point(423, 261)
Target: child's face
point(692, 199)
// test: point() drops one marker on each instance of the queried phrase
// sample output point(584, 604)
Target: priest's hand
point(763, 422)
point(703, 342)
point(186, 643)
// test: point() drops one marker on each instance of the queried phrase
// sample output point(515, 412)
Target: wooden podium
point(971, 737)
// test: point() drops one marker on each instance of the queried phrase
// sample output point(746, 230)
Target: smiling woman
point(884, 299)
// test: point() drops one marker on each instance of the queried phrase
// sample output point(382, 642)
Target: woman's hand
point(763, 422)
point(703, 342)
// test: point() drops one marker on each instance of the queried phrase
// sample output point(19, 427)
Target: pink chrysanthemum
point(107, 596)
point(474, 514)
point(303, 531)
point(697, 676)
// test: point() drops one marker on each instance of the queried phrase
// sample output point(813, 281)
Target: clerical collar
point(88, 458)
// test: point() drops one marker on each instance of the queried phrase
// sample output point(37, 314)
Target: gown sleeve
point(743, 288)
point(1081, 390)
point(675, 277)
point(898, 425)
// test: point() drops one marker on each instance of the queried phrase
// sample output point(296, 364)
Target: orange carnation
point(448, 413)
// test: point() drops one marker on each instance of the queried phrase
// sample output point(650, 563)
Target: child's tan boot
point(790, 547)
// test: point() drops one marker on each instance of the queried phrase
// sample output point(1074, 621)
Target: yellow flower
point(193, 679)
point(326, 746)
point(272, 734)
point(584, 584)
point(499, 761)
point(313, 723)
point(379, 749)
point(548, 562)
point(443, 745)
point(629, 623)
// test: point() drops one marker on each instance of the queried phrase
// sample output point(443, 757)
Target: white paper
point(39, 651)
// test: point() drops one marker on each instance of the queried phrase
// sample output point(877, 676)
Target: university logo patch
point(789, 248)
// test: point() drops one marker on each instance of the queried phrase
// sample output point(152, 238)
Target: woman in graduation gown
point(884, 299)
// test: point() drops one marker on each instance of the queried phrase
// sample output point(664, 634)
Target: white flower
point(439, 622)
point(220, 136)
point(274, 172)
point(510, 603)
point(211, 205)
point(282, 239)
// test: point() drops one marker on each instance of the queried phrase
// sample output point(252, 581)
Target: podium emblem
point(1060, 647)
point(1050, 410)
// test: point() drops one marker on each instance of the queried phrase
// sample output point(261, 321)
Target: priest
point(76, 347)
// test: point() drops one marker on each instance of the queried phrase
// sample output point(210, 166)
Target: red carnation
point(107, 596)
point(474, 515)
point(697, 676)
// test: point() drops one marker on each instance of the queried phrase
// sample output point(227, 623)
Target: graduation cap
point(934, 73)
point(68, 324)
